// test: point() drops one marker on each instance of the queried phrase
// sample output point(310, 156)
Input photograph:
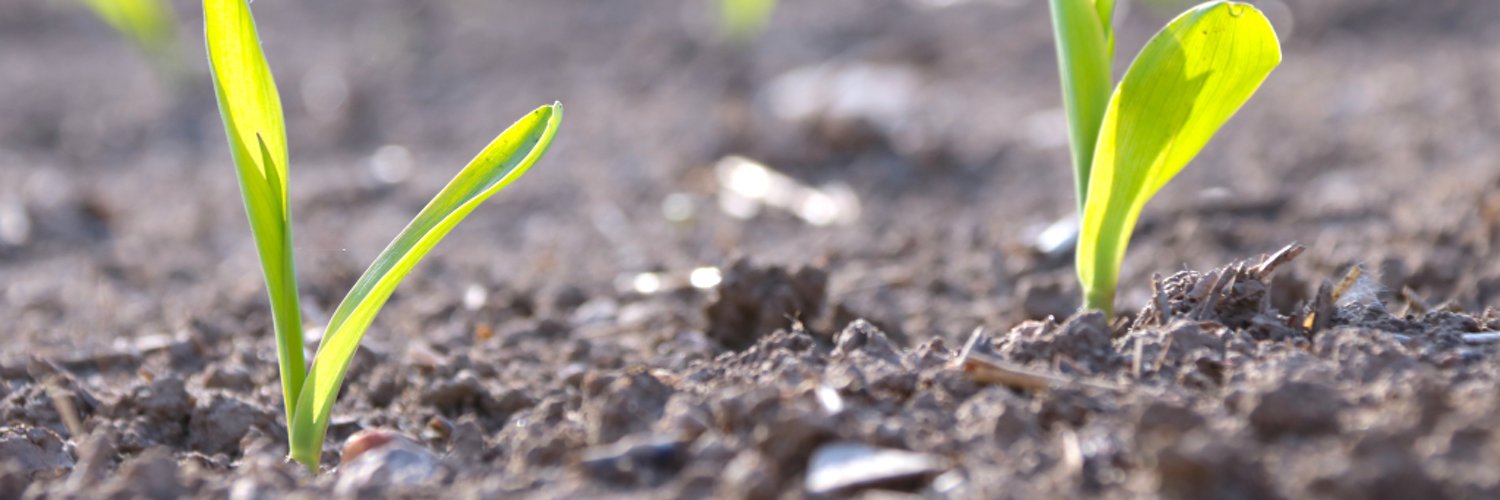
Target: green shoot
point(742, 20)
point(499, 164)
point(253, 122)
point(1085, 44)
point(150, 24)
point(251, 110)
point(1183, 86)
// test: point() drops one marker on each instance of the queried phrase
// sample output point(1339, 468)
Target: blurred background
point(914, 150)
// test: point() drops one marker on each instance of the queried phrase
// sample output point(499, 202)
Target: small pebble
point(384, 459)
point(844, 467)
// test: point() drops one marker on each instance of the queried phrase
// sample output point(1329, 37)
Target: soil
point(926, 344)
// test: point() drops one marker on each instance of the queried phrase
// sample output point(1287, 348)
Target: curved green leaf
point(251, 110)
point(1187, 81)
point(1083, 53)
point(502, 162)
point(1105, 9)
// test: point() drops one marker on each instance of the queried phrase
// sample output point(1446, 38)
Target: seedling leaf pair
point(253, 122)
point(1183, 86)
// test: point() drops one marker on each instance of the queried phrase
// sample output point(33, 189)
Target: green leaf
point(251, 110)
point(500, 163)
point(149, 23)
point(1187, 81)
point(1083, 56)
point(1105, 10)
point(741, 20)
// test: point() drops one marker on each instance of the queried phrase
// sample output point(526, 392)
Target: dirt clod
point(218, 426)
point(35, 452)
point(1083, 342)
point(617, 405)
point(1200, 466)
point(752, 301)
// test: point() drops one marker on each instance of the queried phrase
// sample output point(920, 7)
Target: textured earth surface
point(560, 344)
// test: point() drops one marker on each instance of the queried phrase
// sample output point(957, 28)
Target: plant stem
point(1101, 298)
point(1083, 64)
point(287, 316)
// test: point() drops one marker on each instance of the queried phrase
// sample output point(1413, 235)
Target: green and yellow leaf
point(499, 164)
point(149, 23)
point(1084, 43)
point(253, 123)
point(1188, 80)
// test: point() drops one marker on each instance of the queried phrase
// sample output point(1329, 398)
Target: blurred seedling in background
point(1129, 140)
point(253, 122)
point(742, 20)
point(150, 25)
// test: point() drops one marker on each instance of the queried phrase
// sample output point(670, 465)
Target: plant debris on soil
point(928, 345)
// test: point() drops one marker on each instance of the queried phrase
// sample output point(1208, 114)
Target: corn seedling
point(742, 20)
point(150, 24)
point(1130, 141)
point(253, 122)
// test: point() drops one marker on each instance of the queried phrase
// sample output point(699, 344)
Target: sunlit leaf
point(1187, 81)
point(1105, 10)
point(251, 110)
point(744, 19)
point(500, 163)
point(1083, 54)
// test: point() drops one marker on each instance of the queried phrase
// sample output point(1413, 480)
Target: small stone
point(864, 338)
point(845, 467)
point(649, 460)
point(366, 440)
point(462, 391)
point(397, 462)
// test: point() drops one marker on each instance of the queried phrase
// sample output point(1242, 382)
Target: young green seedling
point(150, 24)
point(742, 20)
point(1126, 144)
point(251, 109)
